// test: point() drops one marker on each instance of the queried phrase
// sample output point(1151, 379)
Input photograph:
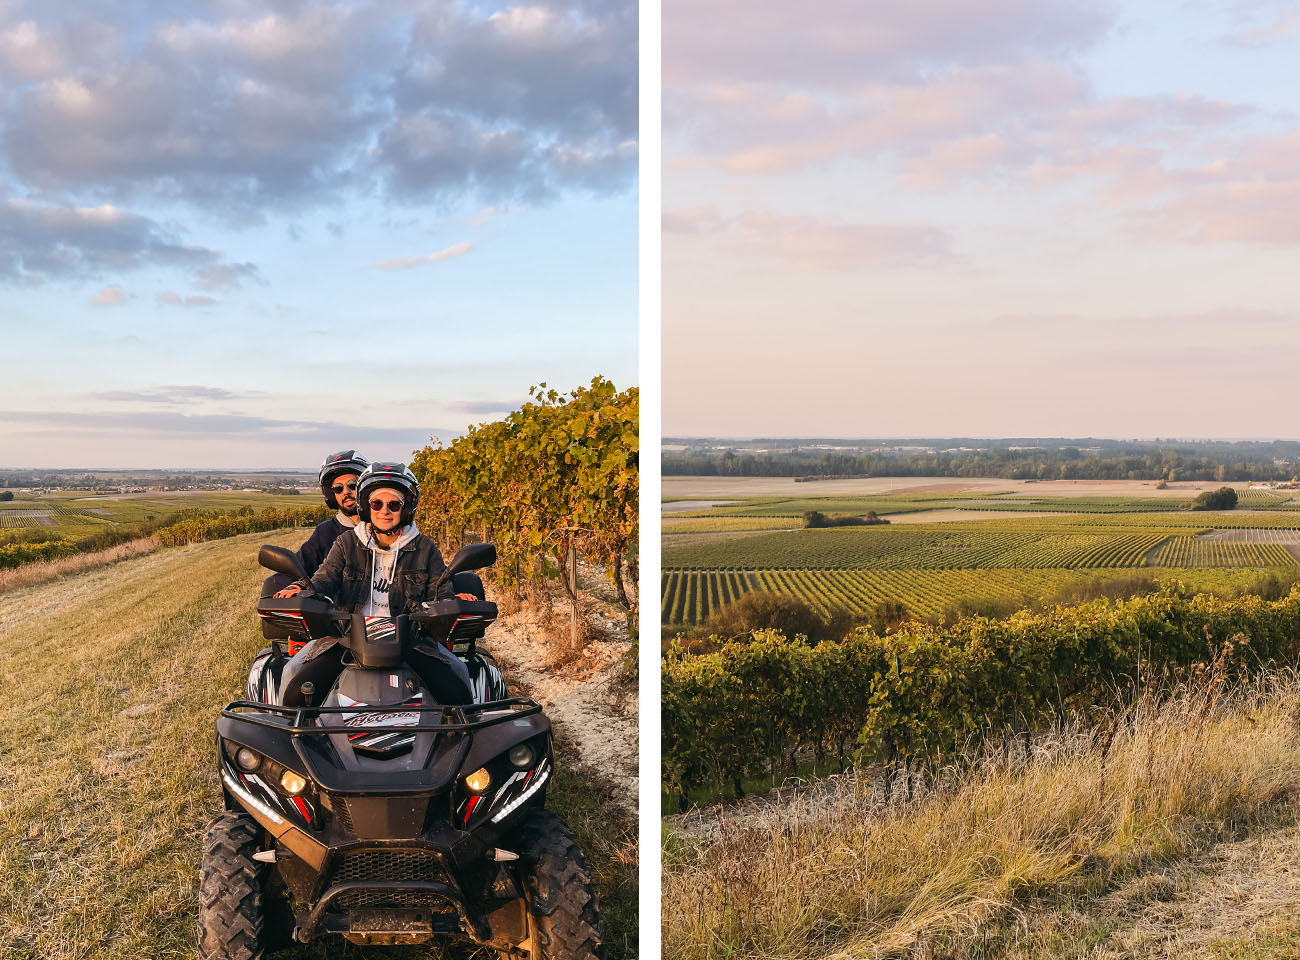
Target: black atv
point(289, 629)
point(377, 813)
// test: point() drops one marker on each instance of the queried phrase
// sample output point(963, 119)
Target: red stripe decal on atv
point(473, 802)
point(302, 808)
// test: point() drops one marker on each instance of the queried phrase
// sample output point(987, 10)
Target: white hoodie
point(383, 566)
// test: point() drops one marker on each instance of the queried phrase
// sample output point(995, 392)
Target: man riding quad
point(383, 567)
point(338, 483)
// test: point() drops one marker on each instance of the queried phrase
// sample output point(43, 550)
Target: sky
point(238, 234)
point(981, 218)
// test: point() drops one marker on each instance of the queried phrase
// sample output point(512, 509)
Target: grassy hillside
point(1167, 831)
point(110, 685)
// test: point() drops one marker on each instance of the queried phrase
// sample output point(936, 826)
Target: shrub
point(928, 692)
point(1225, 498)
point(759, 611)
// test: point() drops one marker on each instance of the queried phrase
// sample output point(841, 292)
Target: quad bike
point(384, 816)
point(288, 632)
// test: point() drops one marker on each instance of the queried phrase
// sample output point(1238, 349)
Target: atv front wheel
point(232, 909)
point(563, 915)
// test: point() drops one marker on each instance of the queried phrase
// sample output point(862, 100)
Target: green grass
point(102, 815)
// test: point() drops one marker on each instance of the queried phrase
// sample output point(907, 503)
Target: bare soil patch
point(1237, 899)
point(584, 692)
point(955, 486)
point(679, 506)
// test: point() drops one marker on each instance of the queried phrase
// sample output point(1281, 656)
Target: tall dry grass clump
point(30, 574)
point(841, 872)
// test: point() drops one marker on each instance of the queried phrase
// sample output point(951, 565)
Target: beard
point(349, 511)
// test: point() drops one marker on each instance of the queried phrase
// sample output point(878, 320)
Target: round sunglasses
point(392, 506)
point(340, 487)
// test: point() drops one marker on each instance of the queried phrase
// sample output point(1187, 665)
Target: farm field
point(74, 514)
point(991, 545)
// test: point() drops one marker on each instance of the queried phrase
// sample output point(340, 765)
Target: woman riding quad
point(338, 483)
point(382, 567)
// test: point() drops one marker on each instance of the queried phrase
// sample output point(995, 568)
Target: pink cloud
point(839, 44)
point(1253, 211)
point(766, 238)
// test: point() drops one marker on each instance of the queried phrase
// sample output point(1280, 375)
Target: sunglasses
point(340, 487)
point(392, 506)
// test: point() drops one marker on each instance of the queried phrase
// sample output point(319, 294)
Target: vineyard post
point(573, 579)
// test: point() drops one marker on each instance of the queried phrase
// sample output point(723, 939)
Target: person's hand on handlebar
point(467, 596)
point(290, 591)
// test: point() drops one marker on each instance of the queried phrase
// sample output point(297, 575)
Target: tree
point(6, 495)
point(1225, 498)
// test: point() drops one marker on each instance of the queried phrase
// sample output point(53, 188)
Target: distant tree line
point(1210, 461)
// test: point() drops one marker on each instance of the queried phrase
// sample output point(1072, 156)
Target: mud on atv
point(385, 817)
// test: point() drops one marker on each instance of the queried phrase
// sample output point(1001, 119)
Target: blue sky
point(1000, 218)
point(240, 235)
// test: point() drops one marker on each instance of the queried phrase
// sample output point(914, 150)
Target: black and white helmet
point(395, 476)
point(345, 461)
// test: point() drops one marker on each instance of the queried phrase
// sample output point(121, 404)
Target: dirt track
point(584, 696)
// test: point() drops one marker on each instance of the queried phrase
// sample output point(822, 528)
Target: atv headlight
point(293, 783)
point(248, 760)
point(478, 781)
point(522, 756)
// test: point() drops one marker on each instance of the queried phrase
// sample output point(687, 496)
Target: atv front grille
point(389, 866)
point(400, 899)
point(342, 816)
point(397, 867)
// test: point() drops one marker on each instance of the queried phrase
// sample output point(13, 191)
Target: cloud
point(692, 220)
point(164, 424)
point(402, 263)
point(847, 43)
point(958, 122)
point(1223, 318)
point(174, 394)
point(766, 238)
point(109, 297)
point(477, 407)
point(222, 276)
point(242, 109)
point(172, 299)
point(33, 50)
point(44, 241)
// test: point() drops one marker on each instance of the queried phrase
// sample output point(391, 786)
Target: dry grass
point(30, 574)
point(840, 872)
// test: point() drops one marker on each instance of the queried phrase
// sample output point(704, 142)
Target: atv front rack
point(458, 723)
point(512, 708)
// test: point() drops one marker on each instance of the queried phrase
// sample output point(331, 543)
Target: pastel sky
point(981, 218)
point(245, 234)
